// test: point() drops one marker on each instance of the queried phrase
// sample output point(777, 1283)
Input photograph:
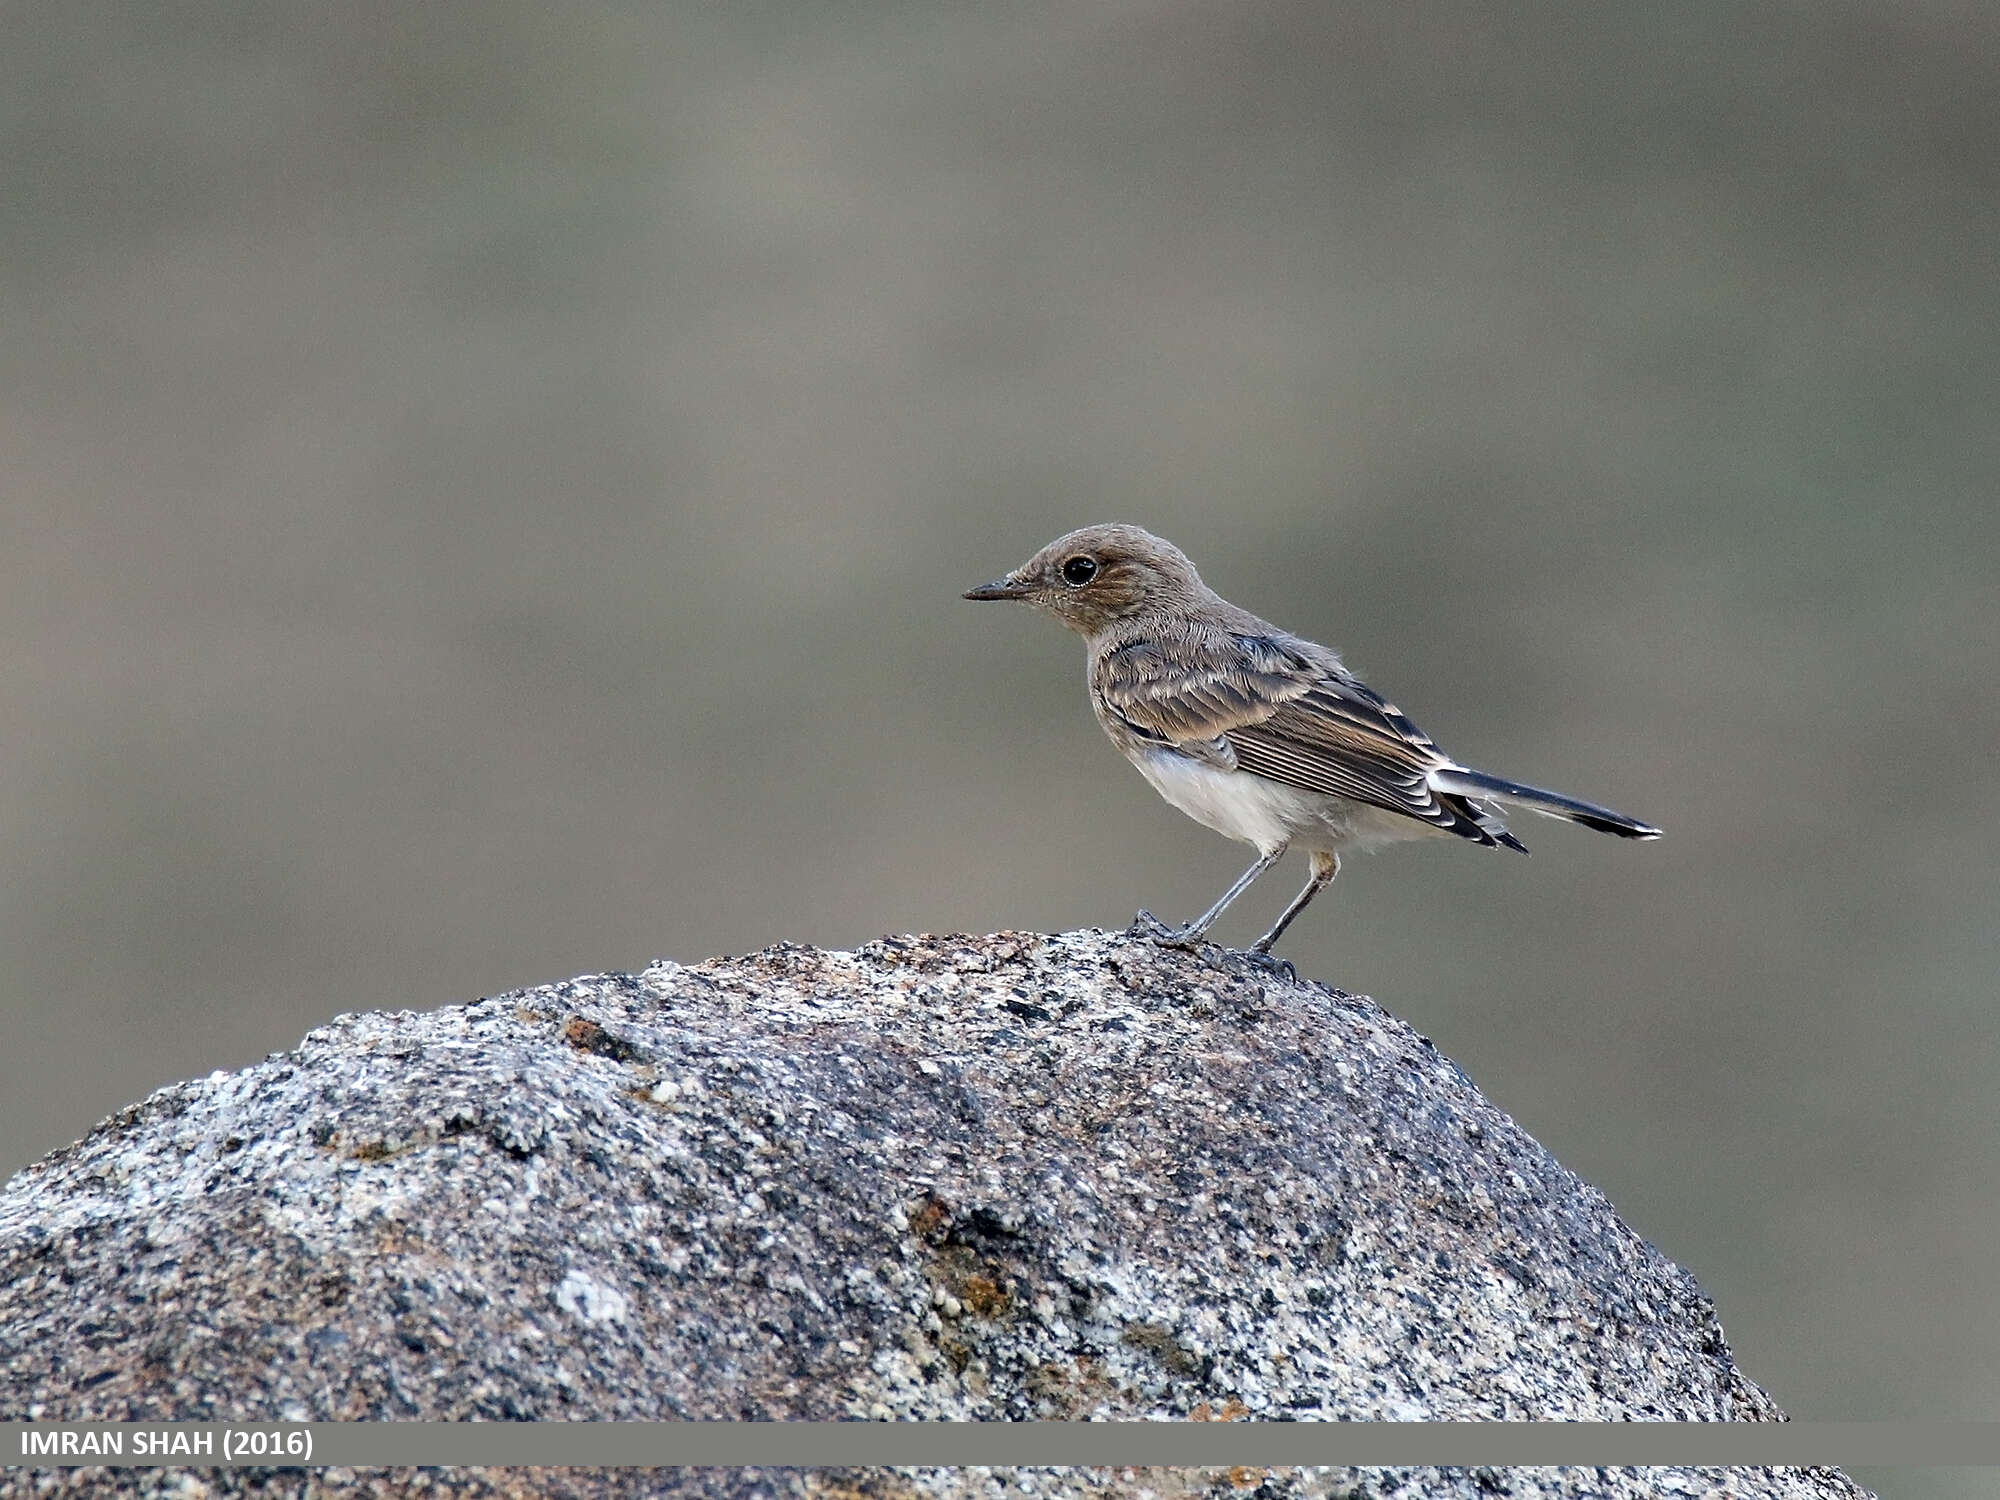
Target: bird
point(1260, 734)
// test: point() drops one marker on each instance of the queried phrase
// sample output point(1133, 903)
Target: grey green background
point(486, 491)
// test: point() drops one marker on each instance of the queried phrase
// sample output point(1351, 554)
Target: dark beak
point(999, 588)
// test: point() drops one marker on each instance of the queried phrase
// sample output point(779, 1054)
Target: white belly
point(1269, 814)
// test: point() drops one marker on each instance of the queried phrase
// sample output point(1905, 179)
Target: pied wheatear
point(1256, 732)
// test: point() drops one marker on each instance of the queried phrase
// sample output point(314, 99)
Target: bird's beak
point(999, 588)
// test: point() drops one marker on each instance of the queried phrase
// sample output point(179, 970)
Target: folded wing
point(1257, 703)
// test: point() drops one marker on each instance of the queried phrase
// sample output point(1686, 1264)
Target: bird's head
point(1100, 574)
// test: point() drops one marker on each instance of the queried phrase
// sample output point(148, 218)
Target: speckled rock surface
point(987, 1178)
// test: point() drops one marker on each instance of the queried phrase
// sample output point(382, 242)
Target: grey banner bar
point(1004, 1444)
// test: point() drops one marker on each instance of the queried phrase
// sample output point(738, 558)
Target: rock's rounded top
point(993, 1177)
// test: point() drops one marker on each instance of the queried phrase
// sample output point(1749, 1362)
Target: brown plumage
point(1256, 732)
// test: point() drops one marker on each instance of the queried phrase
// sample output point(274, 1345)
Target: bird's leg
point(1324, 867)
point(1188, 936)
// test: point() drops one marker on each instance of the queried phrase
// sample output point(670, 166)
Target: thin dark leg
point(1324, 868)
point(1188, 936)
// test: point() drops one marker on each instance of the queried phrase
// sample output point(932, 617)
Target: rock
point(986, 1178)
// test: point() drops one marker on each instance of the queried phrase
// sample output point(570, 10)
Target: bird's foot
point(1263, 958)
point(1146, 925)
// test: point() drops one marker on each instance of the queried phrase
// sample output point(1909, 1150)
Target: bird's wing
point(1254, 703)
point(1189, 695)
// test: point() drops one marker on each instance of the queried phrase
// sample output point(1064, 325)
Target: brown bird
point(1253, 731)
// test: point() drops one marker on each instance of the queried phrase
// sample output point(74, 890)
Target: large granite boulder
point(985, 1178)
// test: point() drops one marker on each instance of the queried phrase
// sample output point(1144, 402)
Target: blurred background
point(484, 493)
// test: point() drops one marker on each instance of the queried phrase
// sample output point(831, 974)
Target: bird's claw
point(1282, 967)
point(1146, 925)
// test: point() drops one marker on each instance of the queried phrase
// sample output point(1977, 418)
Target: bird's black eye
point(1079, 570)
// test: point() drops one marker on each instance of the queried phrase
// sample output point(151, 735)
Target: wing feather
point(1259, 704)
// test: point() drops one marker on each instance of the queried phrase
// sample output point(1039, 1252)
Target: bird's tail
point(1550, 804)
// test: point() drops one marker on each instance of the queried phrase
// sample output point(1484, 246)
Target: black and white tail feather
point(1457, 781)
